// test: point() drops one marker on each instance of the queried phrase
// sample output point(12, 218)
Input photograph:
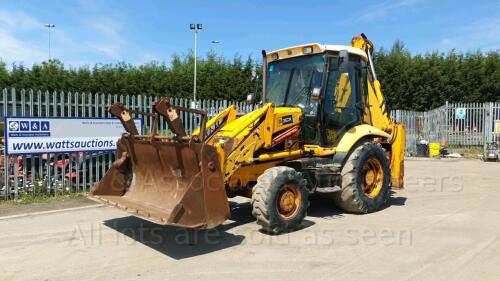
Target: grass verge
point(42, 198)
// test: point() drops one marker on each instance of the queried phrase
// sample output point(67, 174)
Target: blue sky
point(90, 31)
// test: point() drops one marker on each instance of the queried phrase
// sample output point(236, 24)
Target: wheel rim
point(288, 201)
point(372, 178)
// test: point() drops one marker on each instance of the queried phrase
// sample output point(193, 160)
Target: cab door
point(342, 107)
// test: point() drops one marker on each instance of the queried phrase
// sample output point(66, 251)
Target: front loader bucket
point(166, 182)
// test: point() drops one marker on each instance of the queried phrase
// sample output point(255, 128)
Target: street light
point(195, 27)
point(50, 26)
point(213, 48)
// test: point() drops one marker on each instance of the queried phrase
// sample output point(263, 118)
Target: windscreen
point(291, 82)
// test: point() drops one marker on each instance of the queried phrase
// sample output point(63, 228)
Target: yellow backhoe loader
point(322, 126)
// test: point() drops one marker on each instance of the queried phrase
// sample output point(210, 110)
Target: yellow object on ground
point(434, 149)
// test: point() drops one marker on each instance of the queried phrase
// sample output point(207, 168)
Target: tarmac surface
point(444, 226)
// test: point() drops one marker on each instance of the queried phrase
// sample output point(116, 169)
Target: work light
point(307, 50)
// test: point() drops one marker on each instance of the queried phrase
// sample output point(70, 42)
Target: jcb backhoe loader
point(322, 126)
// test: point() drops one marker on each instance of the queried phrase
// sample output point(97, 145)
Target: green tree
point(409, 81)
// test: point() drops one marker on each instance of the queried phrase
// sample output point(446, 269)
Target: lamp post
point(195, 27)
point(214, 44)
point(213, 47)
point(50, 26)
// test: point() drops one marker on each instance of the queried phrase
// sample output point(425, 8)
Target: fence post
point(23, 157)
point(488, 123)
point(32, 160)
point(14, 158)
point(5, 156)
point(446, 122)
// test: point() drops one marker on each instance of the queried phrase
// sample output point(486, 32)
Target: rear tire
point(280, 199)
point(365, 180)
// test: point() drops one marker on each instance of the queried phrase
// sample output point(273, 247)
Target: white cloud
point(384, 9)
point(108, 39)
point(483, 34)
point(18, 21)
point(14, 49)
point(23, 38)
point(381, 10)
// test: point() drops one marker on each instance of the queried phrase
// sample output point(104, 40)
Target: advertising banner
point(34, 135)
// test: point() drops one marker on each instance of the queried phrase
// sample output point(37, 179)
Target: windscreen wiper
point(292, 72)
point(304, 90)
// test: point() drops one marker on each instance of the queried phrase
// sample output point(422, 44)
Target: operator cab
point(326, 81)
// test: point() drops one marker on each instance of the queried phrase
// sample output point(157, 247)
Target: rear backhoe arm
point(377, 114)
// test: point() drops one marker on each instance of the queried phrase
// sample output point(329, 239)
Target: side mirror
point(250, 99)
point(316, 94)
point(316, 90)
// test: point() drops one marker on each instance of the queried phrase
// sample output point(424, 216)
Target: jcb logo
point(287, 119)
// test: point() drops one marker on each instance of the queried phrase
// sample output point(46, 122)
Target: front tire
point(365, 180)
point(280, 200)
